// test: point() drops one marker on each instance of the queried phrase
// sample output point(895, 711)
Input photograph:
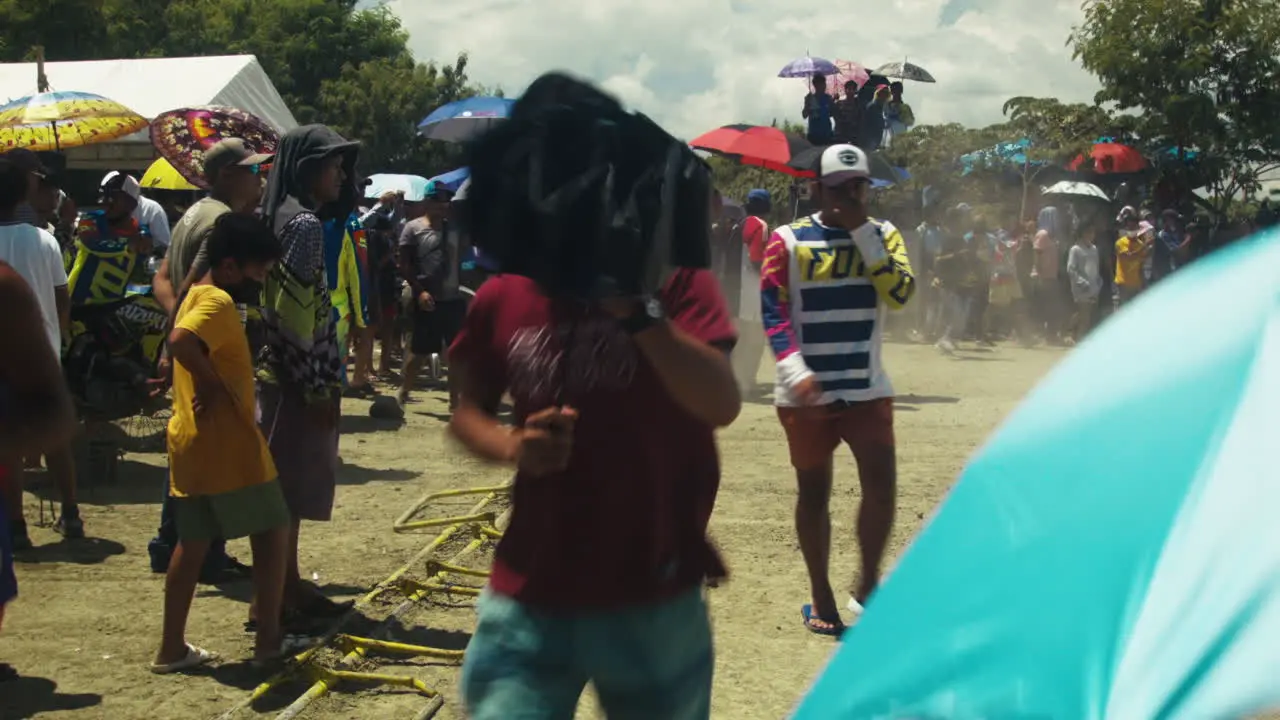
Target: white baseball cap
point(116, 181)
point(841, 163)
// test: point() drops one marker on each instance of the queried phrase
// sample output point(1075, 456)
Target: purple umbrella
point(808, 67)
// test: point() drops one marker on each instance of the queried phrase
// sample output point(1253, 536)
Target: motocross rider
point(109, 244)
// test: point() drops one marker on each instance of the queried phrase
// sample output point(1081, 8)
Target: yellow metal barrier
point(435, 567)
point(438, 588)
point(483, 524)
point(486, 518)
point(405, 522)
point(324, 685)
point(349, 643)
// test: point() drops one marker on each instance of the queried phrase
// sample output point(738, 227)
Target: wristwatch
point(648, 312)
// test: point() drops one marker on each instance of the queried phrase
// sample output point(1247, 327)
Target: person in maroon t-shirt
point(599, 576)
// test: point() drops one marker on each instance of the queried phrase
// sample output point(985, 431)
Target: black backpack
point(585, 198)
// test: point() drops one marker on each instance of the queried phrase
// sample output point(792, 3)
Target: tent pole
point(42, 80)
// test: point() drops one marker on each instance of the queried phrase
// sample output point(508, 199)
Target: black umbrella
point(881, 168)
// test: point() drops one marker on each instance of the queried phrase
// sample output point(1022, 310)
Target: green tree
point(929, 152)
point(68, 29)
point(1205, 74)
point(381, 101)
point(1060, 131)
point(331, 62)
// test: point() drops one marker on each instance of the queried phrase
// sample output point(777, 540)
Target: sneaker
point(18, 536)
point(238, 569)
point(946, 347)
point(69, 524)
point(229, 570)
point(854, 606)
point(293, 624)
point(160, 552)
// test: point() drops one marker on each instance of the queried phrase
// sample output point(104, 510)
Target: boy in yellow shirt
point(223, 481)
point(1132, 250)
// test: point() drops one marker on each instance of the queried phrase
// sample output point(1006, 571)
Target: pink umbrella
point(849, 71)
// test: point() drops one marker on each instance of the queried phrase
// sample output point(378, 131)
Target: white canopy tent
point(150, 86)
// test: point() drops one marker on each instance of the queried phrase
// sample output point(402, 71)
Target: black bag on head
point(585, 198)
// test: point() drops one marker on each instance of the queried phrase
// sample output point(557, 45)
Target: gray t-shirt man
point(188, 249)
point(436, 264)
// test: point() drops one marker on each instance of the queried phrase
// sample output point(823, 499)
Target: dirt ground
point(87, 621)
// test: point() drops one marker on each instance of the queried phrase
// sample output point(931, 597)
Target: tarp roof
point(150, 86)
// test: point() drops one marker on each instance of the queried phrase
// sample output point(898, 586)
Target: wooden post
point(42, 80)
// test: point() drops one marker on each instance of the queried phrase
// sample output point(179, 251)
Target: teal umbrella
point(1114, 550)
point(1001, 155)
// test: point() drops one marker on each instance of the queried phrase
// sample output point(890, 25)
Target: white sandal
point(854, 606)
point(194, 658)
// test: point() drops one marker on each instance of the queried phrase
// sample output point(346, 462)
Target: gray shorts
point(230, 515)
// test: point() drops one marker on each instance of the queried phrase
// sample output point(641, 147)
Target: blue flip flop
point(836, 629)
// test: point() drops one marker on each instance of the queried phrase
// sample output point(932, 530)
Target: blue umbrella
point(808, 67)
point(453, 179)
point(1005, 154)
point(1113, 551)
point(880, 184)
point(462, 120)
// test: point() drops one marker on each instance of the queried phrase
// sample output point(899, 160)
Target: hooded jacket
point(285, 189)
point(301, 348)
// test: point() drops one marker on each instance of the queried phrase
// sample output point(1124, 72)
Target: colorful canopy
point(182, 136)
point(59, 120)
point(1113, 551)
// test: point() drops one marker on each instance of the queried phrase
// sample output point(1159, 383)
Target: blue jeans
point(654, 661)
point(161, 546)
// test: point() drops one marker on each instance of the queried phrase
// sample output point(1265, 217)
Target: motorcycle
point(111, 359)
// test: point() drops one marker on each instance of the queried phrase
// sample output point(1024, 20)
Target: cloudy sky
point(697, 64)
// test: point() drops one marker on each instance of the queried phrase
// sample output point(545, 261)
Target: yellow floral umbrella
point(57, 120)
point(163, 176)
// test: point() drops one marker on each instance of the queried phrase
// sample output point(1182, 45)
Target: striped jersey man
point(824, 292)
point(825, 285)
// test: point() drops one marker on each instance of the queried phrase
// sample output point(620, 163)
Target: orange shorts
point(814, 433)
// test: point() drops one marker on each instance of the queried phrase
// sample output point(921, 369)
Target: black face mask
point(246, 292)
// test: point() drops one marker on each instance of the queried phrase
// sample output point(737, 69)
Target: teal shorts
point(239, 513)
point(647, 662)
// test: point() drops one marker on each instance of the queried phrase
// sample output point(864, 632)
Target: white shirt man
point(149, 213)
point(35, 255)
